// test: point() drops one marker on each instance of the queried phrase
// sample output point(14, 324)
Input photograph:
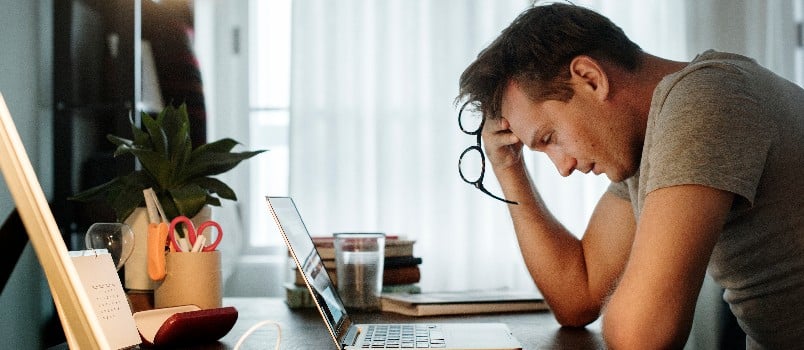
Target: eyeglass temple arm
point(484, 190)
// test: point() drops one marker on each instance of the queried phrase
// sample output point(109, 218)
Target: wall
point(25, 75)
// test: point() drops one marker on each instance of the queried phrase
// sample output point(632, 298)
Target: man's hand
point(502, 147)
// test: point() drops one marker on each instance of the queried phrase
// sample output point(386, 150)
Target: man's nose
point(564, 163)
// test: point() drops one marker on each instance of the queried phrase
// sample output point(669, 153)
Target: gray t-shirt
point(727, 123)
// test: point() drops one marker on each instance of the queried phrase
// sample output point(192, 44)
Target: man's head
point(557, 78)
point(535, 51)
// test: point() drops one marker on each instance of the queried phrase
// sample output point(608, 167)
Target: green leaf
point(168, 204)
point(220, 146)
point(141, 138)
point(176, 123)
point(213, 201)
point(208, 164)
point(158, 138)
point(213, 185)
point(189, 199)
point(180, 158)
point(127, 196)
point(125, 203)
point(118, 141)
point(156, 165)
point(98, 191)
point(123, 145)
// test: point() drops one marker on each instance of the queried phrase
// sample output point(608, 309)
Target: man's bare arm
point(653, 305)
point(575, 276)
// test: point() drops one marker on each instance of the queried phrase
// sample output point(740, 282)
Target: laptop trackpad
point(479, 336)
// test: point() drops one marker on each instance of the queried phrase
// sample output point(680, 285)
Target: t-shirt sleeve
point(707, 137)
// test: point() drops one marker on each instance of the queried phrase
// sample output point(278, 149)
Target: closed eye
point(547, 139)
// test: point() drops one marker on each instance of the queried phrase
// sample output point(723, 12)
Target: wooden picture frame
point(81, 326)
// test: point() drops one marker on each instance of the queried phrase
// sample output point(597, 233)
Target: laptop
point(348, 335)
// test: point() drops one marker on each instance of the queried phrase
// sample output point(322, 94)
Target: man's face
point(584, 133)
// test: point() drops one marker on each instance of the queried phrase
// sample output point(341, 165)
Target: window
point(243, 47)
point(269, 110)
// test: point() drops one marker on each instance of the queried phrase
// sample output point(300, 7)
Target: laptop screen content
point(303, 249)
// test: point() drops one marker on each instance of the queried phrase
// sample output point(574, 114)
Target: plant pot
point(136, 268)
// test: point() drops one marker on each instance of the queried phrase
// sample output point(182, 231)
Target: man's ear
point(587, 73)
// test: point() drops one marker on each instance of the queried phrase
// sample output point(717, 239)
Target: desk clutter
point(401, 271)
point(158, 327)
point(180, 257)
point(176, 299)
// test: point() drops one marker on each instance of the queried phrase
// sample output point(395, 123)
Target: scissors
point(193, 234)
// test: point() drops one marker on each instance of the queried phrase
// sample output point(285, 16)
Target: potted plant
point(181, 176)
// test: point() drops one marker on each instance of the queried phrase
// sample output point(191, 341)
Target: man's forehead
point(513, 97)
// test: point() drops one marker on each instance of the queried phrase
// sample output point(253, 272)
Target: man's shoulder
point(720, 56)
point(707, 85)
point(709, 72)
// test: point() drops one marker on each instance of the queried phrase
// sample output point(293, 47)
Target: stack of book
point(463, 302)
point(401, 273)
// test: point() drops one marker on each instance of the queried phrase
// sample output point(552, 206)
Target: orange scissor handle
point(157, 237)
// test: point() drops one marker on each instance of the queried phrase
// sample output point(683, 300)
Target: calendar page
point(99, 277)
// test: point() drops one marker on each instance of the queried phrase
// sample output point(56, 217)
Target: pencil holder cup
point(191, 278)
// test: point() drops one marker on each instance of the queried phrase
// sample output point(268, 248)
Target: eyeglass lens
point(470, 165)
point(470, 119)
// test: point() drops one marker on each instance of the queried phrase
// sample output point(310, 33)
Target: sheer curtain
point(764, 30)
point(374, 137)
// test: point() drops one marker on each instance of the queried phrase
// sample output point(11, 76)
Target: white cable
point(257, 326)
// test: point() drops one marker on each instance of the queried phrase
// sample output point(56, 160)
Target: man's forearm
point(554, 257)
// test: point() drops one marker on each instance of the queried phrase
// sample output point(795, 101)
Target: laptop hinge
point(350, 337)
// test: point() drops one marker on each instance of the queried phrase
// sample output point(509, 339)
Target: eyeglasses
point(470, 120)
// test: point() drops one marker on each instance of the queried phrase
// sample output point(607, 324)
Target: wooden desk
point(304, 329)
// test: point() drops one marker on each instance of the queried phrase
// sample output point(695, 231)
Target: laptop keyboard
point(403, 336)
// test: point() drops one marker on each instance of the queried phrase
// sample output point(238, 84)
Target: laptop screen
point(303, 251)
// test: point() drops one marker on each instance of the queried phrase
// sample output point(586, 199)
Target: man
point(705, 161)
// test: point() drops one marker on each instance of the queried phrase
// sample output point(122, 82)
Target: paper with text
point(99, 277)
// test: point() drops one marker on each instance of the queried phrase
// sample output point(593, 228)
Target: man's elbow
point(622, 334)
point(576, 317)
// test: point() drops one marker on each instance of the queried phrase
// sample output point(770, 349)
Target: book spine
point(389, 262)
point(298, 297)
point(401, 275)
point(393, 247)
point(401, 261)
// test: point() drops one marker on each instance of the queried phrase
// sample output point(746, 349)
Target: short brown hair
point(535, 51)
